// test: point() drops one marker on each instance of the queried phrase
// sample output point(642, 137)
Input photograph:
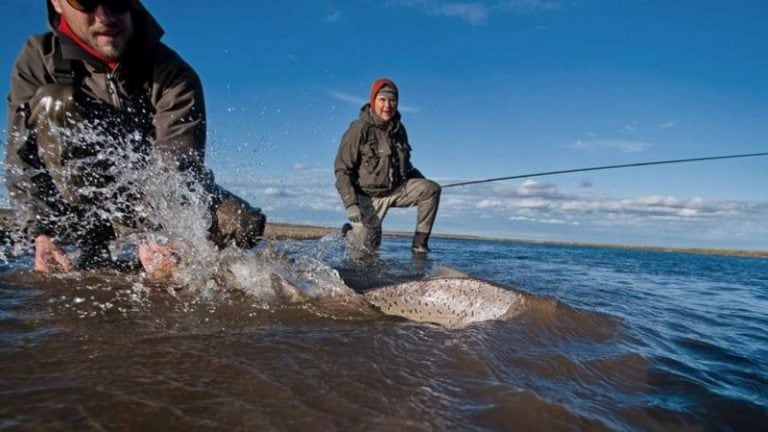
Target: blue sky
point(490, 89)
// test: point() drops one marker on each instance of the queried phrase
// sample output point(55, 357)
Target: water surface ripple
point(611, 340)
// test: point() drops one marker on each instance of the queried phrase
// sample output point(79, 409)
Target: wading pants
point(366, 235)
point(80, 167)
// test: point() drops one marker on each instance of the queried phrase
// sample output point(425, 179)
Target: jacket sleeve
point(31, 191)
point(347, 164)
point(410, 170)
point(179, 119)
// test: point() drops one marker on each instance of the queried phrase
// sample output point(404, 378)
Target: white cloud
point(530, 209)
point(277, 193)
point(656, 200)
point(473, 13)
point(489, 203)
point(654, 207)
point(477, 13)
point(651, 214)
point(334, 17)
point(669, 124)
point(346, 97)
point(532, 203)
point(523, 6)
point(626, 146)
point(630, 128)
point(299, 167)
point(531, 189)
point(326, 205)
point(539, 220)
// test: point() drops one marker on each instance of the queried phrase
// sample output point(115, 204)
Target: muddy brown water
point(609, 341)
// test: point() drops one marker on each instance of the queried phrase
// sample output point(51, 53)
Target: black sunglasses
point(115, 6)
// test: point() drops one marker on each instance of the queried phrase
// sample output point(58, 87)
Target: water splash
point(150, 198)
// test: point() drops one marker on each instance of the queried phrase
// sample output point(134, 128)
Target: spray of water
point(150, 200)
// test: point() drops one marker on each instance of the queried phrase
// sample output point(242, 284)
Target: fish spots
point(450, 302)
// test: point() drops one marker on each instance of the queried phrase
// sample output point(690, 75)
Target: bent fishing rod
point(605, 167)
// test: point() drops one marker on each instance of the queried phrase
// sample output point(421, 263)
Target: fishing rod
point(605, 167)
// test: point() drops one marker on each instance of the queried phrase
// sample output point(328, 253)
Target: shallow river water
point(610, 339)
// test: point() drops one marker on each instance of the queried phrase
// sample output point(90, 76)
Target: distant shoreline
point(283, 231)
point(287, 231)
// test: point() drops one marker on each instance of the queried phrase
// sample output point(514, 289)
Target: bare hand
point(159, 261)
point(353, 213)
point(49, 258)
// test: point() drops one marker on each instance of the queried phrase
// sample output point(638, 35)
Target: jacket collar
point(147, 33)
point(367, 115)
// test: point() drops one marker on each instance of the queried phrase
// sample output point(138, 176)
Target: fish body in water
point(448, 298)
point(449, 301)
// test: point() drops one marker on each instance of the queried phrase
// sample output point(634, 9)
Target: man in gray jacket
point(102, 71)
point(374, 172)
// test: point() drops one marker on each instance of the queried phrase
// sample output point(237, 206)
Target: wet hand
point(49, 258)
point(159, 261)
point(353, 214)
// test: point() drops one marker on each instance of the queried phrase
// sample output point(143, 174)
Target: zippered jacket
point(151, 83)
point(374, 157)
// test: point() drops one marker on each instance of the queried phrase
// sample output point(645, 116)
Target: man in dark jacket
point(374, 172)
point(102, 71)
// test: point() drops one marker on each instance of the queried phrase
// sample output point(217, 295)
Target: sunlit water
point(612, 340)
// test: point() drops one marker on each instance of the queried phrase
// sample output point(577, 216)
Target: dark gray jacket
point(374, 158)
point(151, 82)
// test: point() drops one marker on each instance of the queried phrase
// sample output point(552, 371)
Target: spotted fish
point(452, 302)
